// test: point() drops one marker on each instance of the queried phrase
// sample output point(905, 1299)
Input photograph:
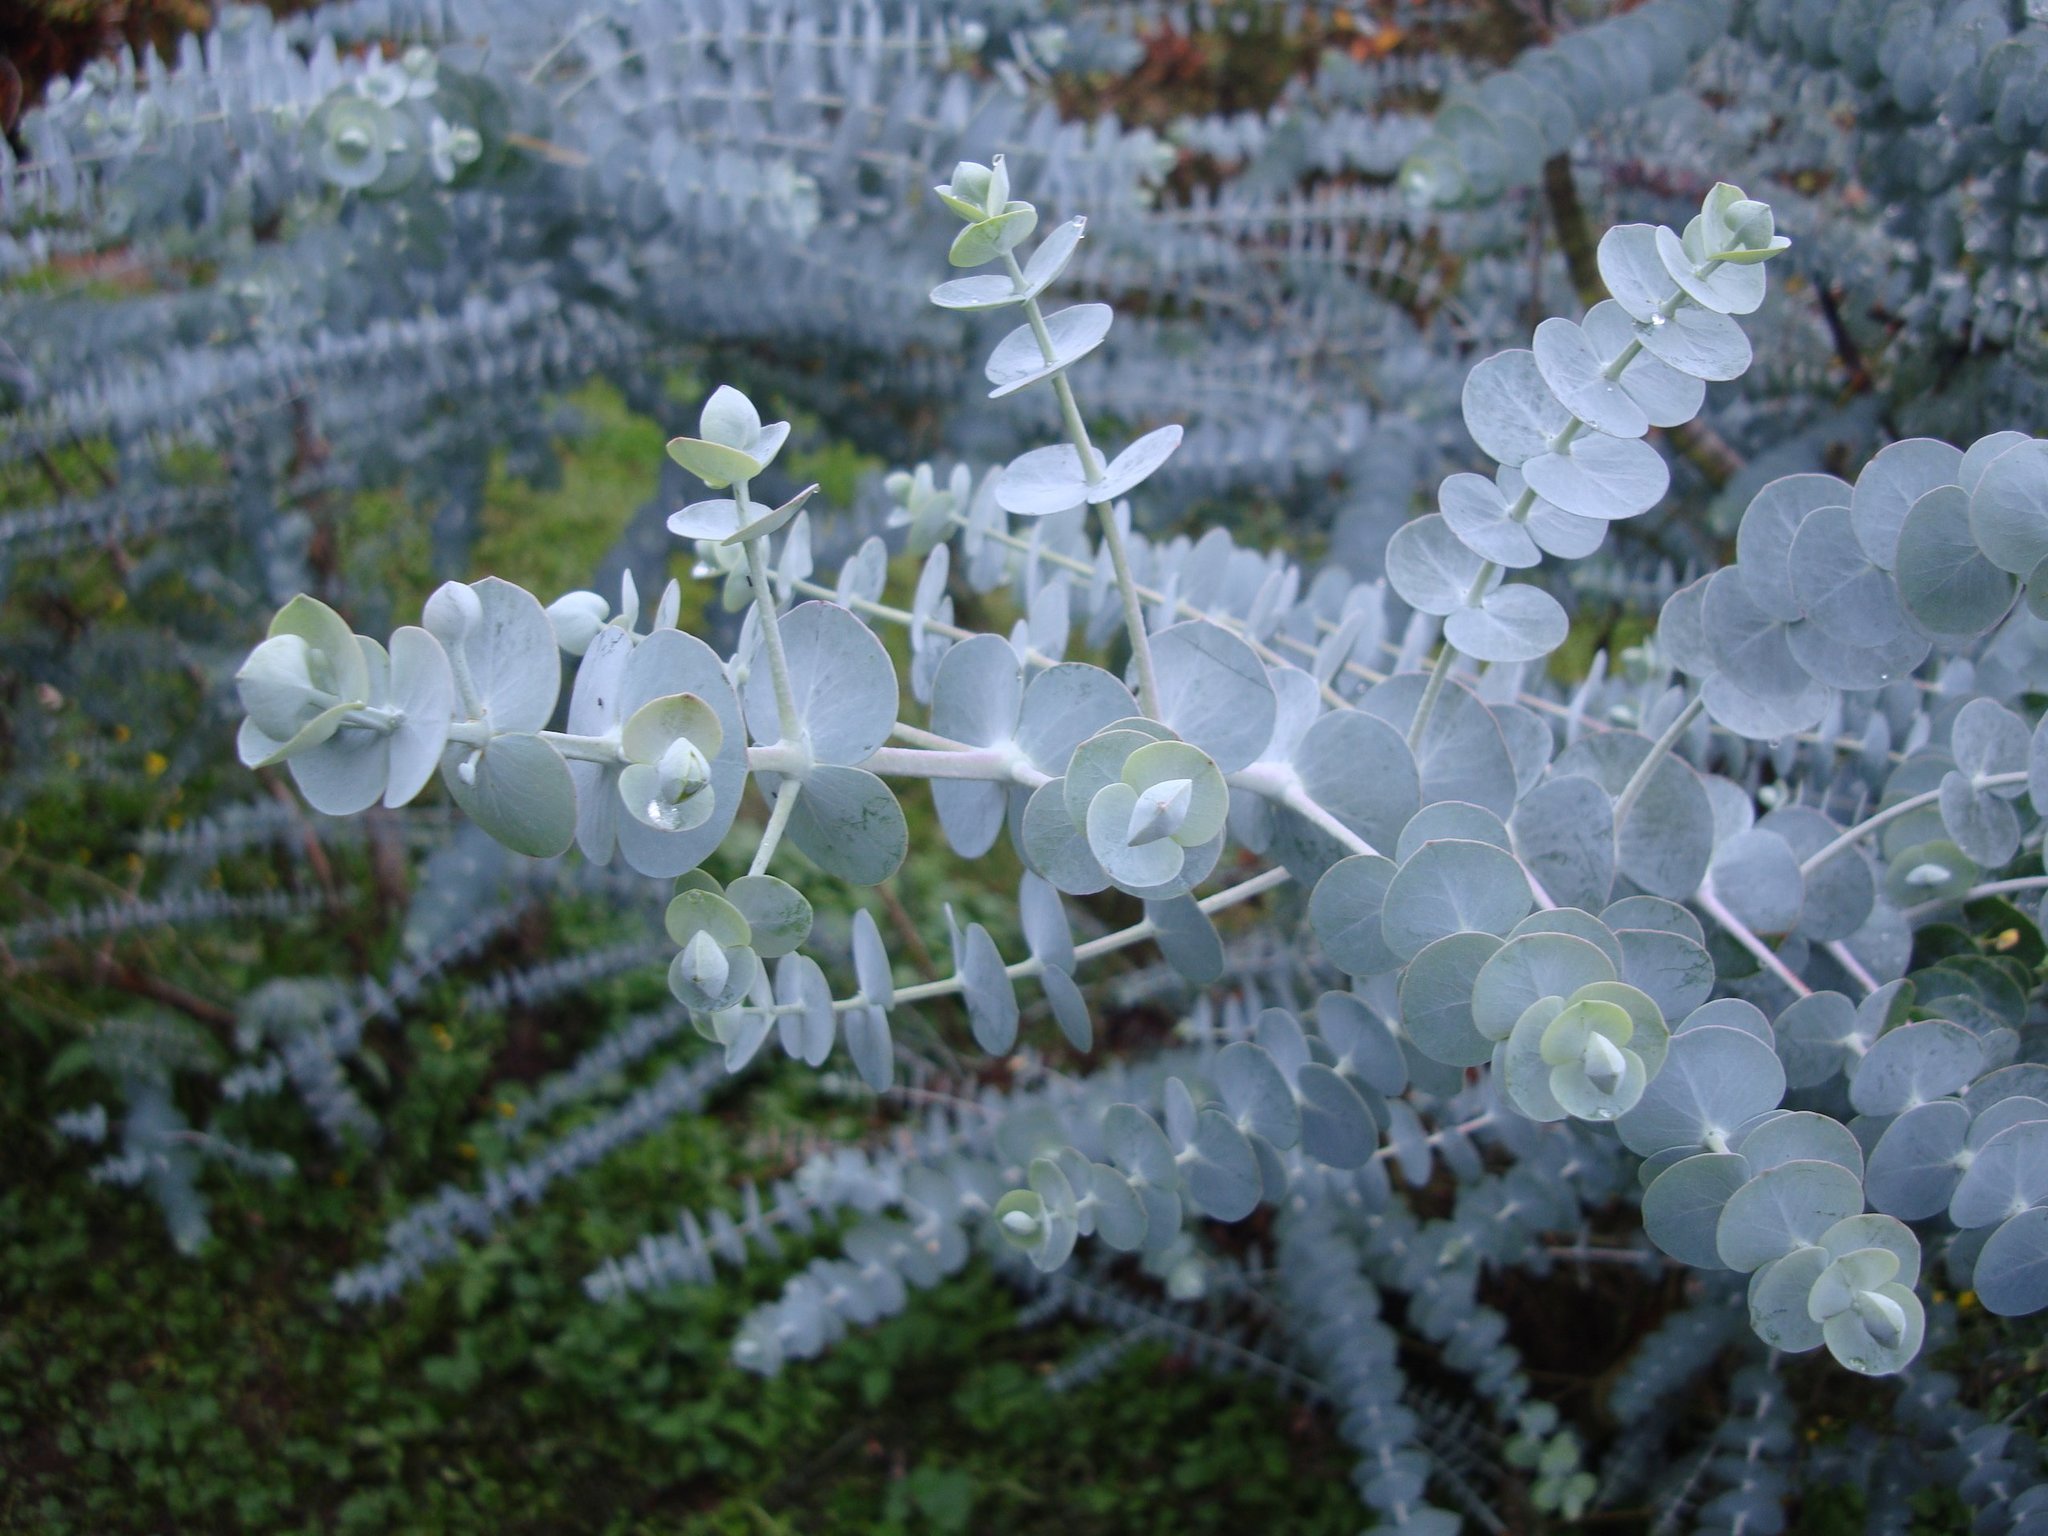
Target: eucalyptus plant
point(1498, 894)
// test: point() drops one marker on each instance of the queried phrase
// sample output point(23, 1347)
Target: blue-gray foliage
point(1646, 942)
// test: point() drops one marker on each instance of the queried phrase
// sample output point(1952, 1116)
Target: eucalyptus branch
point(1742, 934)
point(1893, 812)
point(1659, 749)
point(1091, 469)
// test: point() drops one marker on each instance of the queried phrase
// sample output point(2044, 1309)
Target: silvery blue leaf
point(1043, 481)
point(1835, 584)
point(1346, 910)
point(1666, 842)
point(1451, 818)
point(1064, 706)
point(1913, 1064)
point(1187, 939)
point(1436, 995)
point(865, 573)
point(990, 994)
point(518, 790)
point(1748, 644)
point(2009, 509)
point(1681, 631)
point(1757, 876)
point(1801, 1137)
point(1634, 271)
point(1777, 1300)
point(1985, 827)
point(1337, 1128)
point(1763, 544)
point(849, 825)
point(1431, 567)
point(1057, 849)
point(1223, 1178)
point(2011, 1277)
point(1714, 1080)
point(842, 679)
point(1682, 1207)
point(1410, 1143)
point(1451, 887)
point(1762, 718)
point(1510, 412)
point(1668, 398)
point(423, 690)
point(1136, 464)
point(1476, 510)
point(1944, 580)
point(1698, 342)
point(1733, 288)
point(1512, 623)
point(1988, 738)
point(869, 1045)
point(512, 657)
point(1564, 832)
point(1576, 375)
point(2008, 1174)
point(1214, 692)
point(1788, 1207)
point(1462, 754)
point(1916, 1164)
point(1674, 971)
point(1527, 969)
point(1256, 1094)
point(807, 1033)
point(1841, 893)
point(1600, 477)
point(1898, 475)
point(976, 695)
point(1362, 1046)
point(1656, 914)
point(1069, 1008)
point(1359, 769)
point(1044, 919)
point(1018, 359)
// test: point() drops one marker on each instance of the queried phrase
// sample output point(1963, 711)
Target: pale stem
point(1893, 812)
point(1846, 959)
point(771, 625)
point(1112, 536)
point(1741, 933)
point(1437, 1138)
point(1979, 892)
point(992, 764)
point(1448, 653)
point(778, 822)
point(899, 616)
point(1109, 943)
point(1426, 706)
point(1632, 791)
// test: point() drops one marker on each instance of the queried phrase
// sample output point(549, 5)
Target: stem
point(1979, 892)
point(1632, 791)
point(1741, 933)
point(771, 625)
point(1112, 536)
point(778, 822)
point(1847, 960)
point(1893, 812)
point(992, 764)
point(1299, 801)
point(1109, 943)
point(1426, 706)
